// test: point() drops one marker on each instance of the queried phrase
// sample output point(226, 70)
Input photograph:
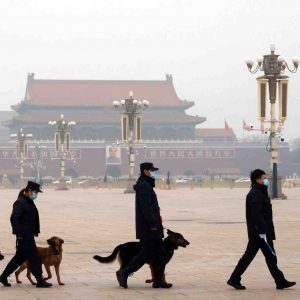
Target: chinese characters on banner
point(116, 159)
point(190, 153)
point(46, 154)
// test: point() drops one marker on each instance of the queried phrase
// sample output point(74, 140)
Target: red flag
point(226, 126)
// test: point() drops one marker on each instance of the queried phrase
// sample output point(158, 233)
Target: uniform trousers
point(271, 260)
point(152, 251)
point(26, 250)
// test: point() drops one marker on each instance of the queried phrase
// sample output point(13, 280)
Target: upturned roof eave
point(28, 104)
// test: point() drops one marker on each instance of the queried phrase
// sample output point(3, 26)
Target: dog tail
point(109, 258)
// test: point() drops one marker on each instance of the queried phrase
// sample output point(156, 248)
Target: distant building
point(89, 103)
point(90, 158)
point(171, 138)
point(5, 116)
point(216, 134)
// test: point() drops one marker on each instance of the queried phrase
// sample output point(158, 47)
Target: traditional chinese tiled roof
point(89, 93)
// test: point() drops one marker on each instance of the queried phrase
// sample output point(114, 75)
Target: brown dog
point(1, 256)
point(51, 256)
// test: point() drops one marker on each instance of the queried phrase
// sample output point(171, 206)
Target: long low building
point(192, 157)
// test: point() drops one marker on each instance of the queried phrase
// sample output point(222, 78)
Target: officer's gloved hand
point(263, 236)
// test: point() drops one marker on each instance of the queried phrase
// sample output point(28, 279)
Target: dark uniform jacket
point(147, 210)
point(24, 219)
point(259, 213)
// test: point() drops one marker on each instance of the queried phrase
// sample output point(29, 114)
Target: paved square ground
point(95, 221)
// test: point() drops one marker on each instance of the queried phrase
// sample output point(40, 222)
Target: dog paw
point(19, 282)
point(61, 283)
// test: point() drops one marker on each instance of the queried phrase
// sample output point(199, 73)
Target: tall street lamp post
point(38, 160)
point(273, 66)
point(131, 130)
point(21, 143)
point(62, 146)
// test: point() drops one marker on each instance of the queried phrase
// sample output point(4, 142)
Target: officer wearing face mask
point(261, 233)
point(26, 225)
point(149, 230)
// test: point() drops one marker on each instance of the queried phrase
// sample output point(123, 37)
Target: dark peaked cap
point(147, 166)
point(34, 186)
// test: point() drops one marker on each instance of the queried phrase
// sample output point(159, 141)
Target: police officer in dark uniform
point(261, 233)
point(149, 230)
point(26, 225)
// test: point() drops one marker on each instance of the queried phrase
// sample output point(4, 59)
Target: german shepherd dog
point(1, 256)
point(125, 252)
point(50, 256)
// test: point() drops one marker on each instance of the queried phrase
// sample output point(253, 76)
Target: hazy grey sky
point(202, 43)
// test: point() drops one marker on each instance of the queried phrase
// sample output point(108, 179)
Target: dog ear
point(169, 232)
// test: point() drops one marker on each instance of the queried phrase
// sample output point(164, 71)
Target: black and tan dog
point(1, 256)
point(125, 252)
point(51, 256)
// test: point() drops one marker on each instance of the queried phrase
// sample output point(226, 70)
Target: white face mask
point(33, 196)
point(153, 174)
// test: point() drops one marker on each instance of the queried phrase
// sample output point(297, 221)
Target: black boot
point(122, 278)
point(163, 285)
point(42, 283)
point(236, 284)
point(4, 281)
point(285, 285)
point(159, 280)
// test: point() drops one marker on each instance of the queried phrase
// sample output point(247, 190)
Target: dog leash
point(164, 228)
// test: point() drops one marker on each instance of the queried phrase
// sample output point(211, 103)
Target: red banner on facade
point(45, 154)
point(190, 153)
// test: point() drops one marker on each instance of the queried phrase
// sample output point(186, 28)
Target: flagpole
point(243, 130)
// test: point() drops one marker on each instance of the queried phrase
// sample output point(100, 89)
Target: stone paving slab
point(95, 221)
